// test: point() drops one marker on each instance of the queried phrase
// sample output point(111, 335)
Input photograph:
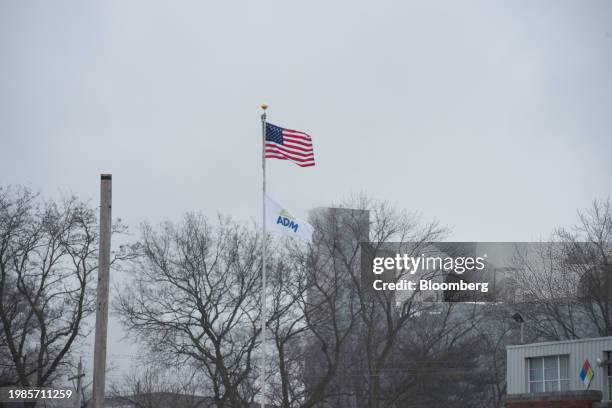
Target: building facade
point(576, 370)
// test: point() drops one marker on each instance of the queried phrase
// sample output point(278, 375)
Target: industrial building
point(572, 373)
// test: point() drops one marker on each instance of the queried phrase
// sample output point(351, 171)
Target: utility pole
point(79, 387)
point(102, 301)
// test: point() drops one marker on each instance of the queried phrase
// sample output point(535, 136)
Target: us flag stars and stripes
point(287, 144)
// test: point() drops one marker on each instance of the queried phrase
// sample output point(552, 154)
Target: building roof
point(550, 343)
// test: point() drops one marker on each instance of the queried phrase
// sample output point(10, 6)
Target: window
point(609, 358)
point(548, 373)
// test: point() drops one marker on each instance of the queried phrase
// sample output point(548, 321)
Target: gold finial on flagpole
point(264, 106)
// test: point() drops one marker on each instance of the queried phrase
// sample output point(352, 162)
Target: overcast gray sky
point(493, 116)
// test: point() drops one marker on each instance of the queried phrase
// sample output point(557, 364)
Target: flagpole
point(263, 257)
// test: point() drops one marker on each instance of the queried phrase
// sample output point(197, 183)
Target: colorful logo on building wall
point(586, 374)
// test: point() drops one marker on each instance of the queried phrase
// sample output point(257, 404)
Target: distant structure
point(342, 234)
point(572, 373)
point(338, 232)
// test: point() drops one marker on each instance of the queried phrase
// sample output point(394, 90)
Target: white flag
point(281, 221)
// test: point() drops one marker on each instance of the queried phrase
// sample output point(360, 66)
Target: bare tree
point(565, 285)
point(367, 348)
point(287, 324)
point(157, 387)
point(588, 252)
point(548, 297)
point(383, 315)
point(438, 360)
point(353, 330)
point(48, 255)
point(497, 331)
point(194, 301)
point(330, 305)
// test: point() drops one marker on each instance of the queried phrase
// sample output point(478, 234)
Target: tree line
point(192, 300)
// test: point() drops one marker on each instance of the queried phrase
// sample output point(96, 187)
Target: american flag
point(287, 144)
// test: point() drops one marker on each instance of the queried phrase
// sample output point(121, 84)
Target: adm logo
point(287, 220)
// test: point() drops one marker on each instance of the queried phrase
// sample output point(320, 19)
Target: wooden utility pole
point(99, 373)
